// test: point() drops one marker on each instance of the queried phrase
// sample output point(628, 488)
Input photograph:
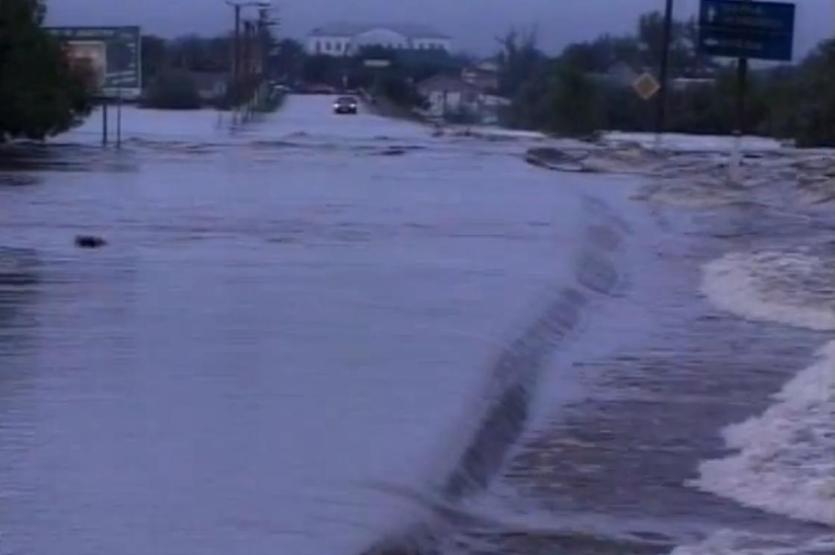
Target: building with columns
point(346, 39)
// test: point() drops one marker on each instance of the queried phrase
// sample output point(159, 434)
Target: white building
point(344, 39)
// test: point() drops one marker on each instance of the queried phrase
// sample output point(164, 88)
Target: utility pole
point(246, 54)
point(661, 106)
point(265, 25)
point(238, 6)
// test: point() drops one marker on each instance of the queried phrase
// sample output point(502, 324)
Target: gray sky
point(472, 23)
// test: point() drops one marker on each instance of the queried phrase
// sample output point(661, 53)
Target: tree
point(288, 61)
point(197, 53)
point(173, 89)
point(154, 56)
point(40, 94)
point(519, 61)
point(323, 69)
point(575, 103)
point(816, 101)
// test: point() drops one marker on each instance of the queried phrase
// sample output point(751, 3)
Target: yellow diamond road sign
point(646, 86)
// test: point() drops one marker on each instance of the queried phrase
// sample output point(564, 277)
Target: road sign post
point(745, 30)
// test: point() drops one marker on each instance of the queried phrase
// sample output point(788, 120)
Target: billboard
point(111, 55)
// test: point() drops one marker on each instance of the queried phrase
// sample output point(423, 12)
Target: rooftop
point(411, 30)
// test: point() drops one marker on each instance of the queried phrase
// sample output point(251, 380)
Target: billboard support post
point(104, 130)
point(119, 119)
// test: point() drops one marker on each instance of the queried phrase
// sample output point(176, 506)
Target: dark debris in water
point(89, 242)
point(527, 543)
point(17, 180)
point(555, 159)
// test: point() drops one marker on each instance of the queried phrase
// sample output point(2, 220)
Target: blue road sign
point(740, 29)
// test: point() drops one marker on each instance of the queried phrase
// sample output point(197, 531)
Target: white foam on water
point(684, 142)
point(695, 195)
point(793, 288)
point(785, 460)
point(731, 542)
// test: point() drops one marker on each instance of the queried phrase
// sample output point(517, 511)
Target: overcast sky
point(473, 24)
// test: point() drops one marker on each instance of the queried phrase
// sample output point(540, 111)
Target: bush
point(173, 90)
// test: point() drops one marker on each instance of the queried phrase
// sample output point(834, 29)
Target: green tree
point(560, 99)
point(288, 61)
point(154, 56)
point(40, 94)
point(519, 60)
point(173, 90)
point(816, 100)
point(575, 101)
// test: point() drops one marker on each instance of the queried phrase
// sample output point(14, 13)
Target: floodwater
point(284, 318)
point(329, 334)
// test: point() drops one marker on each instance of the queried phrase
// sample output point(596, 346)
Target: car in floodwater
point(346, 105)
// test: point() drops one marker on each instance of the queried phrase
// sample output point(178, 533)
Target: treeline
point(176, 71)
point(193, 71)
point(40, 95)
point(587, 88)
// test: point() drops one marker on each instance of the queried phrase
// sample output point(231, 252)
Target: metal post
point(735, 165)
point(119, 119)
point(741, 93)
point(237, 45)
point(661, 106)
point(246, 68)
point(104, 129)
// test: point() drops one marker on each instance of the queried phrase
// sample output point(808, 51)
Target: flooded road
point(283, 317)
point(334, 334)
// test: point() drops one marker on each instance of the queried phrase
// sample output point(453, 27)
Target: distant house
point(452, 98)
point(346, 39)
point(486, 80)
point(491, 65)
point(448, 94)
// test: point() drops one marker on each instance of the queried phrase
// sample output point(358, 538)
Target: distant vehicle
point(346, 105)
